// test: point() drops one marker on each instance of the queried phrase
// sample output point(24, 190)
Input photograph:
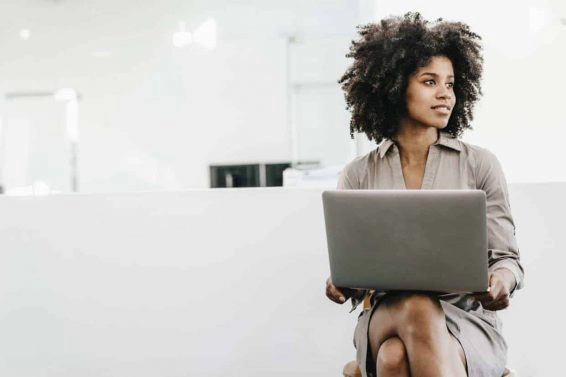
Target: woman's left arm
point(505, 270)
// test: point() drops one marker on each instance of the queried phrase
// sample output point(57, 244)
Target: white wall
point(152, 116)
point(218, 283)
point(520, 116)
point(533, 325)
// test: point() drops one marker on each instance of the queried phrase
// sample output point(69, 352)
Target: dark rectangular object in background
point(274, 173)
point(234, 175)
point(248, 175)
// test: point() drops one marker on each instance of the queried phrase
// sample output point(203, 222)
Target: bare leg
point(419, 322)
point(392, 359)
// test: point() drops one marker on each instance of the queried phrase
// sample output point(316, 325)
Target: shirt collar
point(444, 139)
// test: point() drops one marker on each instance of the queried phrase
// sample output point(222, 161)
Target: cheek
point(417, 104)
point(413, 101)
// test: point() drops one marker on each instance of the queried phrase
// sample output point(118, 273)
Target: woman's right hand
point(336, 294)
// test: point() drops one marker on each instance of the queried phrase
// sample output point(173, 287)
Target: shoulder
point(484, 162)
point(353, 172)
point(479, 154)
point(475, 154)
point(361, 163)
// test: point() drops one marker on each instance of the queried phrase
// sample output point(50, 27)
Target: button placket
point(430, 168)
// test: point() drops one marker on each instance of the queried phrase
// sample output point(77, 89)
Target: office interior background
point(117, 97)
point(145, 95)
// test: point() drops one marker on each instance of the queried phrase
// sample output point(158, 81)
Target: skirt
point(478, 331)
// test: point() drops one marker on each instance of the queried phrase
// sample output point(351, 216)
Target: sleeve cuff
point(509, 265)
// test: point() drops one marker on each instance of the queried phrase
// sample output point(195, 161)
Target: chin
point(442, 124)
point(438, 126)
point(434, 123)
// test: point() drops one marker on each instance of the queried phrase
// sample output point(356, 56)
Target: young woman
point(412, 88)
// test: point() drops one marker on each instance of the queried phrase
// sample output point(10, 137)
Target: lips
point(441, 110)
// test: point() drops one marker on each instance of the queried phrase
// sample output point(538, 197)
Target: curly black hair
point(386, 55)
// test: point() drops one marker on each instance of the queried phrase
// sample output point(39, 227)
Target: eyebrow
point(434, 74)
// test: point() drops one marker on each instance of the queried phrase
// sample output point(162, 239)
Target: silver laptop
point(426, 240)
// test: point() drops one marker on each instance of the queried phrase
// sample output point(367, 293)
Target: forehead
point(439, 65)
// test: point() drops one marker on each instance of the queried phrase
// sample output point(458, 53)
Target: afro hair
point(388, 52)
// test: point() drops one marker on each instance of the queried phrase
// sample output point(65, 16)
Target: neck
point(414, 143)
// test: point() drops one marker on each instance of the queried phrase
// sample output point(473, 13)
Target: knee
point(391, 356)
point(418, 305)
point(417, 313)
point(413, 305)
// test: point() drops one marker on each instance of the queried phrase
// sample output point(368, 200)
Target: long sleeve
point(503, 251)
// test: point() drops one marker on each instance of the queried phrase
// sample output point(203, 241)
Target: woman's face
point(430, 94)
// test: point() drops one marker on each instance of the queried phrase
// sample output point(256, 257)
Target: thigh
point(384, 322)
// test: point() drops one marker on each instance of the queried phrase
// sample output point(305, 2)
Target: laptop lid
point(429, 240)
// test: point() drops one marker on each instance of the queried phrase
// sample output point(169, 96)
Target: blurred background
point(115, 96)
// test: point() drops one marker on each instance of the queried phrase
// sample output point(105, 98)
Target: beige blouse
point(451, 164)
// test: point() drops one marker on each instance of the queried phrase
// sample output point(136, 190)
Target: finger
point(494, 290)
point(499, 286)
point(497, 306)
point(330, 290)
point(486, 303)
point(488, 294)
point(484, 298)
point(336, 298)
point(494, 304)
point(491, 282)
point(480, 294)
point(335, 294)
point(501, 302)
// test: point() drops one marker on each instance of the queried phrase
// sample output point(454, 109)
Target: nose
point(444, 93)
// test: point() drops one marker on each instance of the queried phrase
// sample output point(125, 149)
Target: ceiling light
point(25, 34)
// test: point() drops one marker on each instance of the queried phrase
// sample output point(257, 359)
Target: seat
point(351, 369)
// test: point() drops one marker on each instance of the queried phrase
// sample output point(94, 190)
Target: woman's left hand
point(500, 283)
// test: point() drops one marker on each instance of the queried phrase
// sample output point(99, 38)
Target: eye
point(429, 82)
point(450, 85)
